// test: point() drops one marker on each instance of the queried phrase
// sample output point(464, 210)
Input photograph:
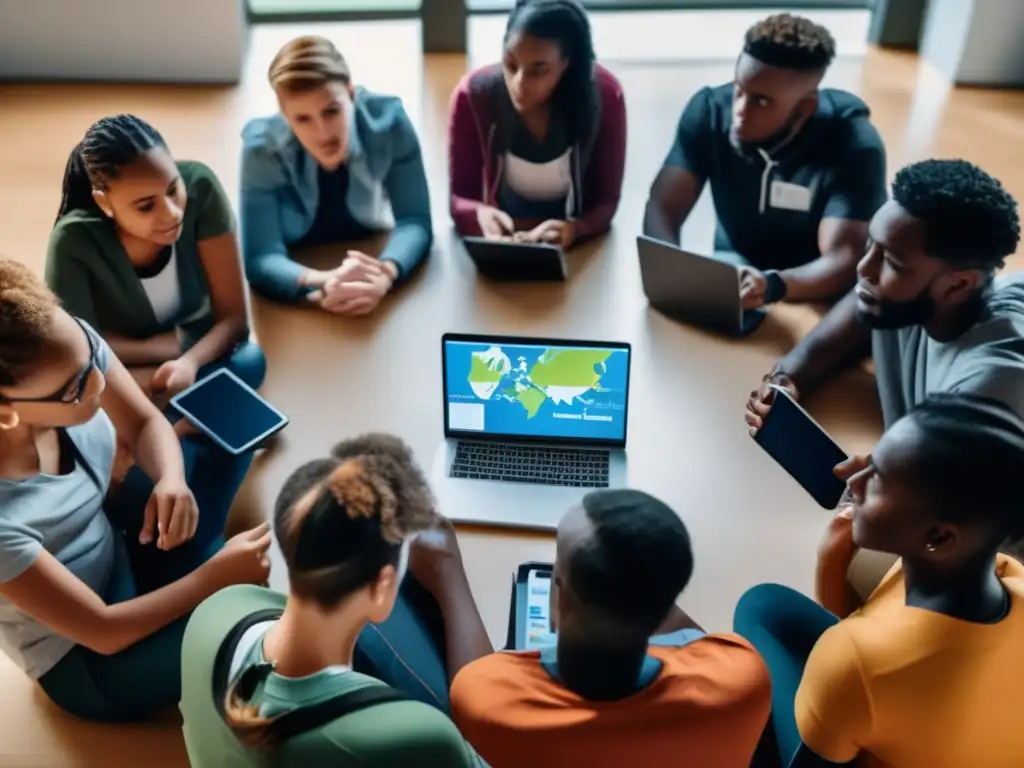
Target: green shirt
point(90, 272)
point(402, 733)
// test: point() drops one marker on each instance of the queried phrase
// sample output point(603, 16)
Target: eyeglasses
point(73, 390)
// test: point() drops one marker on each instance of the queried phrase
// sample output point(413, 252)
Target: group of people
point(120, 598)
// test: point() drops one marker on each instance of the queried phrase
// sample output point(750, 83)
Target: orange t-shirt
point(909, 688)
point(707, 707)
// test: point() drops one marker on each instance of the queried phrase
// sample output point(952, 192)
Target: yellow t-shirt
point(909, 688)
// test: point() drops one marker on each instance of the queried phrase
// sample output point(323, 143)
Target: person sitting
point(606, 694)
point(350, 626)
point(919, 675)
point(796, 171)
point(92, 600)
point(338, 163)
point(548, 128)
point(927, 306)
point(144, 251)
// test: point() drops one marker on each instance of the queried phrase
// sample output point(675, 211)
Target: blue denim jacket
point(280, 192)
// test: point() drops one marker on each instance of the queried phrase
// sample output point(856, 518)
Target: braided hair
point(565, 23)
point(108, 145)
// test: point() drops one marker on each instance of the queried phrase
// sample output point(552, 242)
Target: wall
point(181, 41)
point(975, 42)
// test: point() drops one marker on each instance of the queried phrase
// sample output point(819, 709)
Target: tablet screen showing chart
point(538, 610)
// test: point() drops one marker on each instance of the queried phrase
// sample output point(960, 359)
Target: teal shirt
point(90, 272)
point(402, 734)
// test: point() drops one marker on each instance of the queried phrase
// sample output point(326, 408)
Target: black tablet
point(530, 613)
point(516, 262)
point(229, 412)
point(801, 447)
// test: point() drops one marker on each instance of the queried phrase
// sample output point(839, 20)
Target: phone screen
point(538, 610)
point(802, 448)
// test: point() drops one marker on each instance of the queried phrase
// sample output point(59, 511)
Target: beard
point(888, 315)
point(774, 142)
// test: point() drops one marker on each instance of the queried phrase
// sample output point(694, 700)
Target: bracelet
point(776, 289)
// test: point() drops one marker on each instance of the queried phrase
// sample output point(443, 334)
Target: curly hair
point(108, 145)
point(790, 42)
point(370, 495)
point(26, 314)
point(565, 23)
point(970, 219)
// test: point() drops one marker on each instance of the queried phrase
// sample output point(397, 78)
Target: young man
point(605, 695)
point(795, 172)
point(927, 305)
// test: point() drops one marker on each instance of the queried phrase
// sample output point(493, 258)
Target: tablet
point(530, 616)
point(801, 447)
point(516, 262)
point(229, 412)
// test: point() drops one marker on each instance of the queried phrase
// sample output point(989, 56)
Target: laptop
point(530, 426)
point(516, 262)
point(696, 289)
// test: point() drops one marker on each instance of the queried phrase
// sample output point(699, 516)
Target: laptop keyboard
point(576, 467)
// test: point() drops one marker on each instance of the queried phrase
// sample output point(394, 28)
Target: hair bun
point(352, 488)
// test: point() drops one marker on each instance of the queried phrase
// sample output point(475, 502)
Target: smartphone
point(801, 447)
point(533, 607)
point(229, 412)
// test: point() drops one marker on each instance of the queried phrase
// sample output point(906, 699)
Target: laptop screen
point(499, 387)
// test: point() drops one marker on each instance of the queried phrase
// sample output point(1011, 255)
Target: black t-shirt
point(769, 208)
point(333, 222)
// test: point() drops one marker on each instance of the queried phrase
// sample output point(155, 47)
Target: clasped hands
point(498, 225)
point(357, 285)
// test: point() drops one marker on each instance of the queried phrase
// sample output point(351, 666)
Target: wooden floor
point(360, 371)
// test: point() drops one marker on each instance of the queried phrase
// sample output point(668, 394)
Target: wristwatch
point(776, 288)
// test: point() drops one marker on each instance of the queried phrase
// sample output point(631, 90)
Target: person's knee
point(249, 364)
point(759, 606)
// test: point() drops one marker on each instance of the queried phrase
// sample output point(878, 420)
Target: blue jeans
point(246, 361)
point(146, 677)
point(783, 625)
point(408, 650)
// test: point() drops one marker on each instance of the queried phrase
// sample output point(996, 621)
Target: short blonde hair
point(307, 63)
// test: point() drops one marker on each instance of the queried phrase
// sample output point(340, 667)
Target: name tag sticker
point(789, 197)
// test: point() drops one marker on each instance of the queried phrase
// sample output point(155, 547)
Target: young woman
point(144, 250)
point(925, 671)
point(92, 604)
point(256, 662)
point(338, 163)
point(548, 128)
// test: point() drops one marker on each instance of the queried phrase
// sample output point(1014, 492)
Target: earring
point(10, 420)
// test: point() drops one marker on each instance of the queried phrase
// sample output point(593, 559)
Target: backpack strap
point(297, 721)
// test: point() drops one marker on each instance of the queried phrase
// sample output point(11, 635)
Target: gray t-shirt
point(987, 360)
point(62, 514)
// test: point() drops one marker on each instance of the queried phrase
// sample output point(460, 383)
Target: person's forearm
point(465, 637)
point(156, 350)
point(596, 221)
point(825, 278)
point(157, 451)
point(125, 624)
point(839, 340)
point(832, 588)
point(463, 212)
point(219, 341)
point(408, 245)
point(276, 277)
point(659, 225)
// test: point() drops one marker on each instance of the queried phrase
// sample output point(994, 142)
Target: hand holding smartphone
point(801, 447)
